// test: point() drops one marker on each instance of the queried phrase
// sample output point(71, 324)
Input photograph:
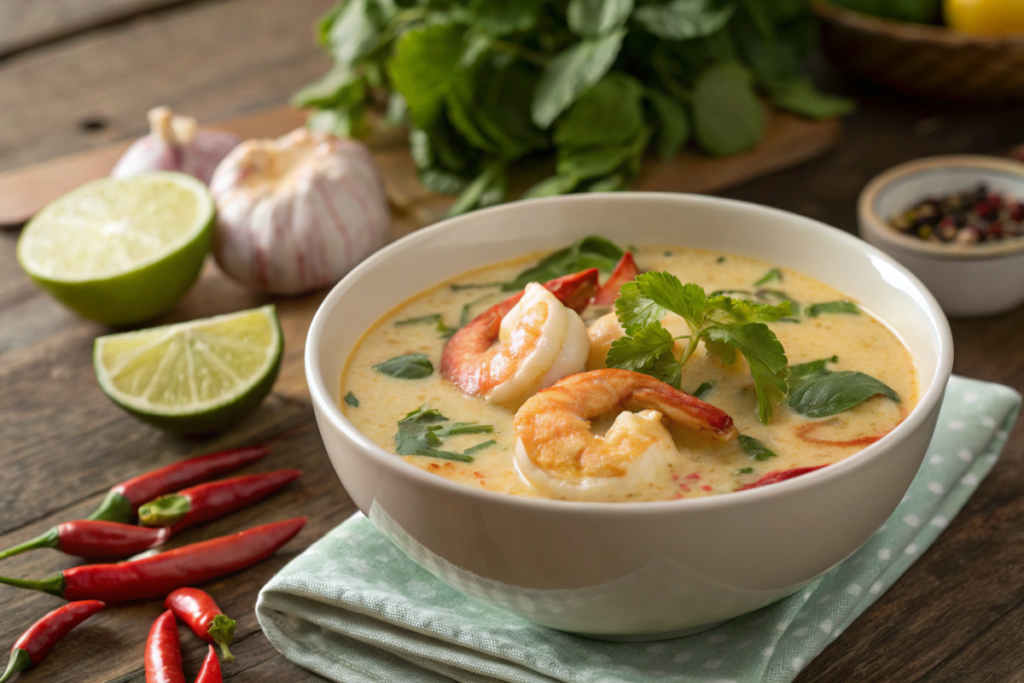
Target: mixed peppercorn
point(976, 215)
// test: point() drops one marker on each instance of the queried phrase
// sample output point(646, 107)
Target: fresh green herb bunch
point(592, 83)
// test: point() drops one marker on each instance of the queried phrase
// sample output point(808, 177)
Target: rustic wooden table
point(78, 73)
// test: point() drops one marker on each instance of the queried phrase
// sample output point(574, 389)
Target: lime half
point(195, 377)
point(121, 250)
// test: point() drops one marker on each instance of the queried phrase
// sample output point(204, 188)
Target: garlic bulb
point(176, 143)
point(296, 213)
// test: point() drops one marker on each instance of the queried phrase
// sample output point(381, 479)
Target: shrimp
point(557, 453)
point(540, 339)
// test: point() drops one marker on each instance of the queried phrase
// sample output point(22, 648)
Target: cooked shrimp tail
point(540, 340)
point(625, 271)
point(557, 452)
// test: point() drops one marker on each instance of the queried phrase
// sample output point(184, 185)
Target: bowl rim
point(872, 221)
point(910, 31)
point(395, 465)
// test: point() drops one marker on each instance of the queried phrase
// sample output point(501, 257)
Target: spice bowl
point(968, 280)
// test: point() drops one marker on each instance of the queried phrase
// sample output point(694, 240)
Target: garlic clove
point(297, 213)
point(175, 143)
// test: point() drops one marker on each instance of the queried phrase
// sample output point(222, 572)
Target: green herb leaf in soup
point(409, 366)
point(703, 389)
point(826, 393)
point(773, 274)
point(800, 372)
point(756, 449)
point(351, 400)
point(435, 319)
point(589, 252)
point(422, 432)
point(814, 310)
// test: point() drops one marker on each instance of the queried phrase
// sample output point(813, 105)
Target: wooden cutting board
point(788, 140)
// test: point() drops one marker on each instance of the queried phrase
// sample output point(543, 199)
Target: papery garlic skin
point(176, 143)
point(296, 213)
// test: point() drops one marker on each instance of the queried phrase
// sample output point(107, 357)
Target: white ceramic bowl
point(628, 570)
point(968, 280)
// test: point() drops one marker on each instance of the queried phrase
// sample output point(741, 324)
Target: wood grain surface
point(956, 615)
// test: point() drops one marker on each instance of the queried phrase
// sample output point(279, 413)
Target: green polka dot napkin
point(354, 609)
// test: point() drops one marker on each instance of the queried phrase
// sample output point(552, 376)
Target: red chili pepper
point(39, 639)
point(125, 498)
point(210, 673)
point(215, 499)
point(200, 612)
point(91, 538)
point(163, 651)
point(781, 475)
point(154, 577)
point(625, 271)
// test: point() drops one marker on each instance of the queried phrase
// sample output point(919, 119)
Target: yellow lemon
point(986, 17)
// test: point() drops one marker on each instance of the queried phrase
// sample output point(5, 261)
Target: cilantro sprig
point(725, 325)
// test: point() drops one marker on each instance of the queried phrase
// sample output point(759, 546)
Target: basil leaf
point(409, 366)
point(727, 115)
point(589, 252)
point(773, 274)
point(424, 67)
point(354, 31)
point(572, 71)
point(798, 95)
point(814, 310)
point(703, 389)
point(608, 113)
point(592, 18)
point(826, 393)
point(351, 400)
point(798, 373)
point(683, 19)
point(502, 17)
point(673, 123)
point(755, 449)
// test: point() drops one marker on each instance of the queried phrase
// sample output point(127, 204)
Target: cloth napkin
point(354, 609)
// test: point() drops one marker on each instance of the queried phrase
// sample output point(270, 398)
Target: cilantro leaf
point(727, 309)
point(422, 431)
point(764, 355)
point(635, 311)
point(665, 289)
point(641, 351)
point(773, 274)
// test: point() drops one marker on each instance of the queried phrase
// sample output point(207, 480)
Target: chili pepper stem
point(222, 630)
point(20, 661)
point(54, 585)
point(164, 511)
point(114, 508)
point(46, 540)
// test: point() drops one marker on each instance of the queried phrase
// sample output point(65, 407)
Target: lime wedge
point(121, 250)
point(195, 377)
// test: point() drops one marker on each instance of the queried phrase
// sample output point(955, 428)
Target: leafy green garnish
point(703, 389)
point(800, 372)
point(814, 310)
point(744, 470)
point(488, 85)
point(773, 274)
point(756, 449)
point(475, 285)
point(350, 399)
point(825, 393)
point(409, 366)
point(724, 324)
point(589, 252)
point(422, 432)
point(435, 319)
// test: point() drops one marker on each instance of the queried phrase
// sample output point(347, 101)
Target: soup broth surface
point(704, 466)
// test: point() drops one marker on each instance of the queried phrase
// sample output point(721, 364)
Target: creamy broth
point(704, 466)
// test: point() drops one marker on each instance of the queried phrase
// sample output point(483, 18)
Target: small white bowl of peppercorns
point(957, 223)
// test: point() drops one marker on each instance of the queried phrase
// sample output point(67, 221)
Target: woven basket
point(921, 59)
